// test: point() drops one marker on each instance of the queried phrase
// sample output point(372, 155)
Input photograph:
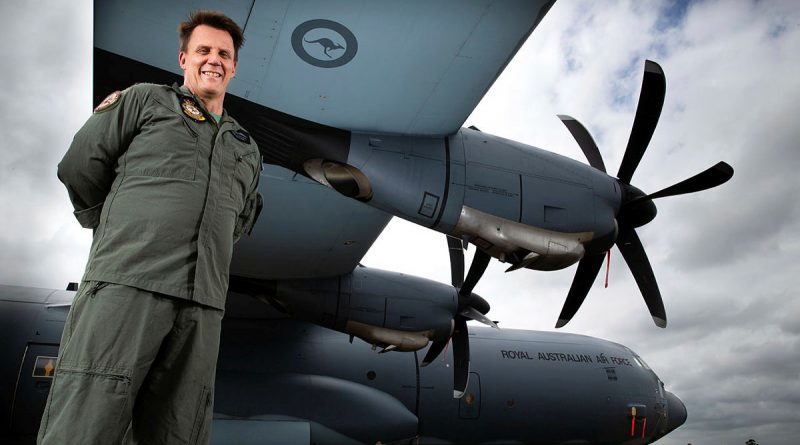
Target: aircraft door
point(33, 385)
point(469, 406)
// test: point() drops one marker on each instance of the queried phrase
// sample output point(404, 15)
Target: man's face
point(208, 62)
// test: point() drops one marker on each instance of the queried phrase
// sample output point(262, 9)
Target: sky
point(726, 259)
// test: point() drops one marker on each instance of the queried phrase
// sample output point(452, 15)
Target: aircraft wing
point(407, 67)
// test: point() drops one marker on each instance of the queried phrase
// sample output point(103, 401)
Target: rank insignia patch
point(191, 110)
point(110, 100)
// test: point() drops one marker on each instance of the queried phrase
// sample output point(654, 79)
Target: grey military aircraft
point(357, 108)
point(285, 381)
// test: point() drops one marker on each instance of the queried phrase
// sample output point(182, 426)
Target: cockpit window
point(639, 361)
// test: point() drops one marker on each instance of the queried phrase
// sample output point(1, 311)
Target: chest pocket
point(166, 146)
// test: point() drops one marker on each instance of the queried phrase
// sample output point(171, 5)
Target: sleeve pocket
point(247, 219)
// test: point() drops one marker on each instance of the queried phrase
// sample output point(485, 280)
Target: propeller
point(585, 141)
point(636, 208)
point(710, 178)
point(470, 307)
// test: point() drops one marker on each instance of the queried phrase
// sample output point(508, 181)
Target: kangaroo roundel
point(324, 43)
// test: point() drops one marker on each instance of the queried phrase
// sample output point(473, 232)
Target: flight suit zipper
point(203, 232)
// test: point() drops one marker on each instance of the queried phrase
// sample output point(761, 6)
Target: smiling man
point(208, 59)
point(168, 182)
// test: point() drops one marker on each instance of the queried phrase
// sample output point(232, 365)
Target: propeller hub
point(473, 300)
point(602, 243)
point(636, 209)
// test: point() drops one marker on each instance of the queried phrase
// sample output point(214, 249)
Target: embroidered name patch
point(242, 136)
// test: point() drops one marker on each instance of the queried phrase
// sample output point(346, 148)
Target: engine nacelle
point(522, 205)
point(387, 309)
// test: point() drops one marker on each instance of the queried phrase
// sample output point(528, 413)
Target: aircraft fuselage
point(280, 377)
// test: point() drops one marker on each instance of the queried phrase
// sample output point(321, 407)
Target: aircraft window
point(371, 375)
point(641, 361)
point(638, 359)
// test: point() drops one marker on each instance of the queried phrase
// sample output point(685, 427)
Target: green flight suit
point(168, 195)
point(168, 190)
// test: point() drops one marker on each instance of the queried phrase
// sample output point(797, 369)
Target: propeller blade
point(460, 358)
point(710, 178)
point(585, 141)
point(476, 270)
point(588, 268)
point(456, 261)
point(474, 314)
point(436, 348)
point(651, 100)
point(633, 252)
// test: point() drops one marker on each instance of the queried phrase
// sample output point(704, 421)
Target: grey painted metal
point(263, 432)
point(31, 321)
point(548, 181)
point(420, 67)
point(387, 309)
point(305, 230)
point(286, 378)
point(154, 25)
point(408, 174)
point(521, 204)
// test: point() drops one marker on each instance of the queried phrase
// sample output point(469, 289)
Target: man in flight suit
point(168, 181)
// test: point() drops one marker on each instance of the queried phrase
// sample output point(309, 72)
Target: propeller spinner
point(637, 208)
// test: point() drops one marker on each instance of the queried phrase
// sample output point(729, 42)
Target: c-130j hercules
point(352, 136)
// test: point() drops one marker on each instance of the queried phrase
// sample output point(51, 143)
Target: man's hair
point(213, 19)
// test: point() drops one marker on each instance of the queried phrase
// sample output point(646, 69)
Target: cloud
point(45, 99)
point(726, 259)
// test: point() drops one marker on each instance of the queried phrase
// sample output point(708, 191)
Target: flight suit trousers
point(133, 366)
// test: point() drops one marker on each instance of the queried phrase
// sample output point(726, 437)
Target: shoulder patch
point(242, 136)
point(109, 101)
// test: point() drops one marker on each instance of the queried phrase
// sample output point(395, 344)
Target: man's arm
point(252, 208)
point(88, 167)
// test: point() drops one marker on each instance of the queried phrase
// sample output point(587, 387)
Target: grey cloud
point(44, 100)
point(726, 259)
